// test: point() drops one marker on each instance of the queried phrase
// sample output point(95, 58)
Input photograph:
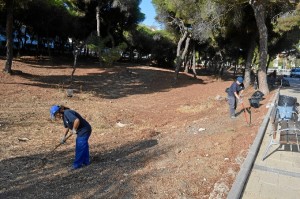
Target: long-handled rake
point(244, 110)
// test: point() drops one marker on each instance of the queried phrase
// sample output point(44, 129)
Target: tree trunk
point(221, 64)
point(188, 61)
point(215, 65)
point(259, 12)
point(9, 36)
point(194, 62)
point(186, 49)
point(235, 67)
point(186, 64)
point(75, 54)
point(250, 55)
point(110, 36)
point(98, 28)
point(76, 51)
point(268, 64)
point(178, 56)
point(205, 64)
point(98, 19)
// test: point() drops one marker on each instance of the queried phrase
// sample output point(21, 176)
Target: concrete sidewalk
point(278, 175)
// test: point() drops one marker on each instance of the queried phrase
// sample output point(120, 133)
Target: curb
point(243, 175)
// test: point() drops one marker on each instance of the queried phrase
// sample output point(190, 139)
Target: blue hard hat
point(240, 79)
point(53, 111)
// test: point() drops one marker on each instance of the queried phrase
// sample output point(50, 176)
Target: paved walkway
point(278, 175)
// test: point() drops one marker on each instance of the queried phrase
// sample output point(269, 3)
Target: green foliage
point(217, 21)
point(202, 18)
point(48, 19)
point(69, 5)
point(111, 55)
point(96, 43)
point(62, 19)
point(159, 43)
point(163, 52)
point(297, 46)
point(2, 4)
point(108, 55)
point(288, 20)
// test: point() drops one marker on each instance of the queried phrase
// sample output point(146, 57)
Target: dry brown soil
point(151, 138)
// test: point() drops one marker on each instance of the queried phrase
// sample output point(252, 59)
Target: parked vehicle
point(295, 72)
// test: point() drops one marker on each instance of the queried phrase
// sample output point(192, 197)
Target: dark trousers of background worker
point(232, 105)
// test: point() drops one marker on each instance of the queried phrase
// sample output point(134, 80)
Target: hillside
point(151, 138)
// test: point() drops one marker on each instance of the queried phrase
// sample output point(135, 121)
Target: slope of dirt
point(151, 138)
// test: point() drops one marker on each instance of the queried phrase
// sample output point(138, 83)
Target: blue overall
point(84, 130)
point(232, 101)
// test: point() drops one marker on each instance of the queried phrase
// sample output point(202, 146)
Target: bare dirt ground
point(151, 138)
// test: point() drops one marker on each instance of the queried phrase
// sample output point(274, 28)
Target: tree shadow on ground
point(56, 61)
point(116, 82)
point(111, 174)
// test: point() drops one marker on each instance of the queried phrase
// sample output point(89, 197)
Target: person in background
point(271, 78)
point(234, 95)
point(78, 126)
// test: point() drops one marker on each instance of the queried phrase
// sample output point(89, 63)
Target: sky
point(148, 9)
